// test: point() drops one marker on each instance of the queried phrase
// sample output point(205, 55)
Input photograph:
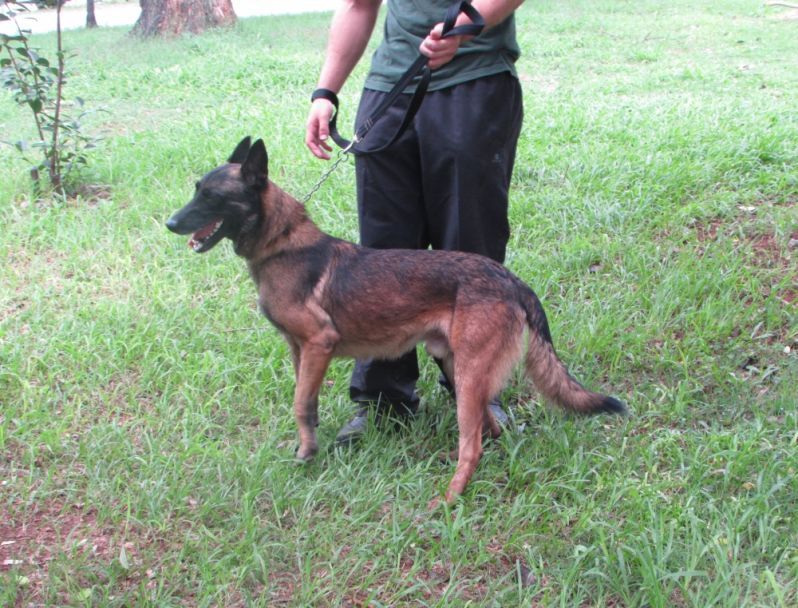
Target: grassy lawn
point(146, 433)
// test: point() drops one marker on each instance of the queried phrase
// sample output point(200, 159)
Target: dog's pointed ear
point(239, 155)
point(255, 169)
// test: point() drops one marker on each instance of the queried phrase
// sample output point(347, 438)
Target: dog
point(329, 298)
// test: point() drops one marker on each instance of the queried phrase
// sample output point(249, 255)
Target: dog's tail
point(549, 373)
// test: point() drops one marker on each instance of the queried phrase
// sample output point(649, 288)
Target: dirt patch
point(283, 586)
point(708, 232)
point(12, 308)
point(471, 583)
point(47, 530)
point(771, 252)
point(22, 267)
point(91, 195)
point(51, 530)
point(764, 249)
point(746, 238)
point(29, 544)
point(41, 269)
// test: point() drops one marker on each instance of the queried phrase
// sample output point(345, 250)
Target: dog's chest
point(292, 308)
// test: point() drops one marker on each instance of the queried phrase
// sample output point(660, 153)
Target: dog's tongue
point(201, 234)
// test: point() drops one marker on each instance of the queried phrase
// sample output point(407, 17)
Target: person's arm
point(442, 50)
point(350, 31)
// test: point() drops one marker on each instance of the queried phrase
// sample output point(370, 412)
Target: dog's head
point(227, 201)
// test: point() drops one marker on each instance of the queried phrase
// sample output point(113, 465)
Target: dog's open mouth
point(203, 239)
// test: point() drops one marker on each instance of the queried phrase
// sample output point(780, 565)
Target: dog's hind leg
point(313, 363)
point(445, 360)
point(485, 343)
point(294, 346)
point(472, 401)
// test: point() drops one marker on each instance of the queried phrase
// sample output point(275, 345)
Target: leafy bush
point(38, 82)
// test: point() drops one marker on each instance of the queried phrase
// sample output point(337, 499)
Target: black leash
point(419, 68)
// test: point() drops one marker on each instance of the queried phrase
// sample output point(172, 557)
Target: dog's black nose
point(171, 223)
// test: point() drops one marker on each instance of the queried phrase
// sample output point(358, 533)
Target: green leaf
point(35, 105)
point(19, 5)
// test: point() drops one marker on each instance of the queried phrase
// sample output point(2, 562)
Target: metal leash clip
point(338, 160)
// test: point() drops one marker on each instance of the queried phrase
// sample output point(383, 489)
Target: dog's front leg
point(313, 363)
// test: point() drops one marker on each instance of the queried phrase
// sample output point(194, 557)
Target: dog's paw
point(306, 454)
point(434, 504)
point(447, 501)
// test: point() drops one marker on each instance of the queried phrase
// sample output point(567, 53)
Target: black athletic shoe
point(353, 430)
point(499, 414)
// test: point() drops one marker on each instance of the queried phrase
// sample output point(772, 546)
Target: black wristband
point(325, 94)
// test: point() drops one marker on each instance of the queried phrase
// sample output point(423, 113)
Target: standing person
point(444, 183)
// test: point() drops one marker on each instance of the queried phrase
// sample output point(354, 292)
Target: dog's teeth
point(196, 242)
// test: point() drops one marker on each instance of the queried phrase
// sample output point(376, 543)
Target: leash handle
point(419, 69)
point(467, 29)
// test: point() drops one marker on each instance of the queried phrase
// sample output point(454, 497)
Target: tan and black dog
point(329, 298)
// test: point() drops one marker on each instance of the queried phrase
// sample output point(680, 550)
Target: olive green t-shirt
point(408, 22)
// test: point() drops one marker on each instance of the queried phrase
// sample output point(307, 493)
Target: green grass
point(146, 434)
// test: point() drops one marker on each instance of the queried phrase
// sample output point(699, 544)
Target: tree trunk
point(91, 20)
point(173, 17)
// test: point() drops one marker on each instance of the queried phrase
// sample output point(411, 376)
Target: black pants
point(444, 184)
